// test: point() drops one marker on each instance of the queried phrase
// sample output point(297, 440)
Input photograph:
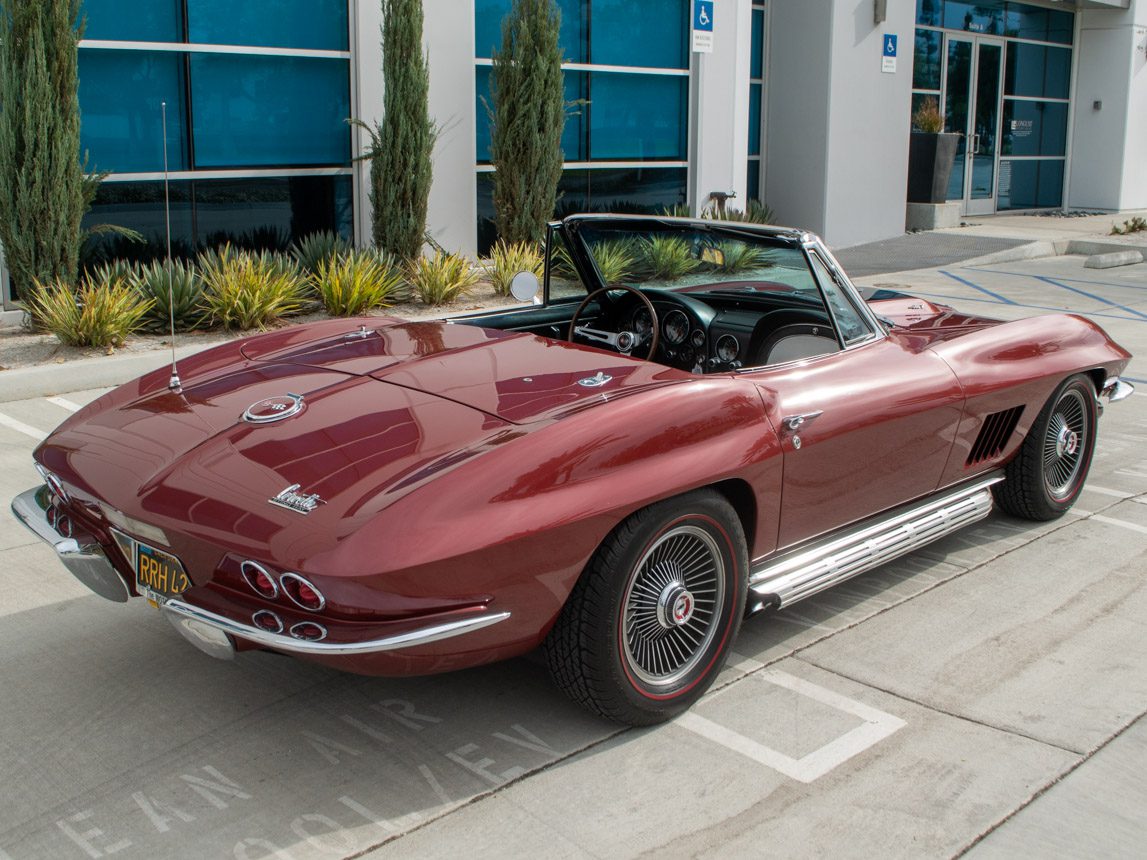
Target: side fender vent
point(994, 435)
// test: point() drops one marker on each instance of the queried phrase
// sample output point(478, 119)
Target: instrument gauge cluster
point(675, 328)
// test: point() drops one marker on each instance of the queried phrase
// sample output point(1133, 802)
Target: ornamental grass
point(101, 313)
point(353, 283)
point(507, 260)
point(250, 291)
point(441, 279)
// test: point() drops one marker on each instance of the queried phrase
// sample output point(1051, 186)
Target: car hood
point(371, 430)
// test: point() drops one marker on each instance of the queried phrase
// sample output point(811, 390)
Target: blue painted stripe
point(1133, 379)
point(1139, 287)
point(1092, 296)
point(985, 290)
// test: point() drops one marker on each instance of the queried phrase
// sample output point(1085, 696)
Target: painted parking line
point(21, 427)
point(1086, 294)
point(985, 290)
point(955, 300)
point(64, 403)
point(877, 726)
point(1125, 286)
point(1111, 521)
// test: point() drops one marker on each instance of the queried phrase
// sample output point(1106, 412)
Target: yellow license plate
point(159, 572)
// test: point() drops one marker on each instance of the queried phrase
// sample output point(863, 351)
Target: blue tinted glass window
point(976, 17)
point(755, 119)
point(635, 117)
point(1060, 27)
point(1026, 22)
point(1034, 128)
point(134, 20)
point(121, 93)
point(1037, 71)
point(489, 15)
point(249, 213)
point(318, 24)
point(255, 111)
point(929, 12)
point(757, 59)
point(754, 180)
point(926, 62)
point(1030, 184)
point(650, 33)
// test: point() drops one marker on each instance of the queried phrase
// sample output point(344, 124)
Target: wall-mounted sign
point(703, 26)
point(888, 61)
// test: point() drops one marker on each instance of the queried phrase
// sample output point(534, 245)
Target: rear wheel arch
point(740, 495)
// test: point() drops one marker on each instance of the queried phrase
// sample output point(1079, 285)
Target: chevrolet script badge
point(293, 500)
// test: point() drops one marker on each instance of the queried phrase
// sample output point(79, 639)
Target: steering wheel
point(622, 341)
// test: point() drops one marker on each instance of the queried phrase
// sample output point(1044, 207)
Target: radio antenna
point(174, 384)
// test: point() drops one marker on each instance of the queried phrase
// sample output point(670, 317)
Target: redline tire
point(648, 626)
point(1045, 477)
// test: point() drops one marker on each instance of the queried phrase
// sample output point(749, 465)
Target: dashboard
point(710, 335)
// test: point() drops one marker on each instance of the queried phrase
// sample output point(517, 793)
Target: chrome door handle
point(796, 422)
point(975, 144)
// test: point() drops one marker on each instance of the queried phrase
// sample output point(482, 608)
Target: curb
point(45, 380)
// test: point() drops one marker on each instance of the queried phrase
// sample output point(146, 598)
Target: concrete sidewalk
point(988, 239)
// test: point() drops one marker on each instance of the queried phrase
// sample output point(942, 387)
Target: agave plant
point(176, 292)
point(102, 313)
point(442, 278)
point(312, 251)
point(755, 212)
point(508, 260)
point(352, 283)
point(738, 257)
point(616, 260)
point(665, 257)
point(246, 291)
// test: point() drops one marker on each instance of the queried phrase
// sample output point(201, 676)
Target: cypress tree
point(527, 118)
point(44, 191)
point(403, 143)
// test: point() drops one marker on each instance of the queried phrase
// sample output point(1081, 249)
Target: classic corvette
point(695, 422)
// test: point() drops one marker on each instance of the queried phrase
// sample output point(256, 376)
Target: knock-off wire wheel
point(1065, 442)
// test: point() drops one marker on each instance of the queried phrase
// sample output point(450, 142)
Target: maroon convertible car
point(698, 421)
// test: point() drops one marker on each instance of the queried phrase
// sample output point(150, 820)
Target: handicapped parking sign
point(703, 26)
point(888, 61)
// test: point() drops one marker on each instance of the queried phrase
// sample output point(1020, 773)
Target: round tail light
point(309, 631)
point(261, 582)
point(302, 592)
point(268, 621)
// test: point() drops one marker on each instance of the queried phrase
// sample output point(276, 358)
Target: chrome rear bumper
point(1116, 389)
point(211, 633)
point(79, 552)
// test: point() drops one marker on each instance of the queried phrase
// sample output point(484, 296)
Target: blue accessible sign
point(888, 61)
point(703, 26)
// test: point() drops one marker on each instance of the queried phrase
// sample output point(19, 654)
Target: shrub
point(755, 213)
point(928, 118)
point(351, 284)
point(442, 278)
point(1135, 225)
point(737, 257)
point(616, 260)
point(666, 257)
point(507, 260)
point(102, 313)
point(176, 291)
point(312, 251)
point(246, 291)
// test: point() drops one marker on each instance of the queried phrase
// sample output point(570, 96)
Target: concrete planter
point(930, 160)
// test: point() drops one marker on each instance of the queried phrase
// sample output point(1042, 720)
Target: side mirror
point(525, 286)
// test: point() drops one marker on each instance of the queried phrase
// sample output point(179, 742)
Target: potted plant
point(931, 154)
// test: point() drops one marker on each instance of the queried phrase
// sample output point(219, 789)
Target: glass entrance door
point(972, 72)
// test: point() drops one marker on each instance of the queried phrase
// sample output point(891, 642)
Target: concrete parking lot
point(985, 695)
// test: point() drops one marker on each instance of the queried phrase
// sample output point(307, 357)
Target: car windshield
point(689, 258)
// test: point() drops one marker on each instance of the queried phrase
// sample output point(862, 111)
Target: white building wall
point(1109, 143)
point(870, 113)
point(719, 107)
point(837, 147)
point(448, 38)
